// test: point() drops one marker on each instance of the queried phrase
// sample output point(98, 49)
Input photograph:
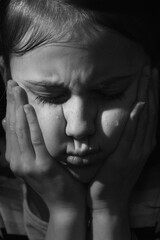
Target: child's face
point(82, 97)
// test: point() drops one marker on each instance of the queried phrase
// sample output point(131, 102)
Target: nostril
point(80, 116)
point(79, 130)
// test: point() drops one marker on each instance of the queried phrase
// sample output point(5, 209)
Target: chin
point(85, 174)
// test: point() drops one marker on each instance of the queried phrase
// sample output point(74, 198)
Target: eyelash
point(110, 97)
point(61, 99)
point(50, 100)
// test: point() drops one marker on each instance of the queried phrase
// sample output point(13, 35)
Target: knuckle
point(8, 152)
point(7, 156)
point(14, 166)
point(36, 141)
point(44, 168)
point(21, 169)
point(19, 132)
point(27, 169)
point(27, 165)
point(4, 123)
point(32, 122)
point(12, 126)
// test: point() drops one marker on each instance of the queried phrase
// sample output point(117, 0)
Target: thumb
point(4, 123)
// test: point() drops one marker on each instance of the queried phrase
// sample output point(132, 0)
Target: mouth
point(82, 159)
point(82, 170)
point(83, 166)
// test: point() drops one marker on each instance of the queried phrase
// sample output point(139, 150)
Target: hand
point(29, 158)
point(113, 183)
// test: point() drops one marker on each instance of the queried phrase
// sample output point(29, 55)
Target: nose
point(80, 114)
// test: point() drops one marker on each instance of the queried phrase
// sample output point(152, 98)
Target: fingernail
point(140, 107)
point(26, 108)
point(4, 120)
point(141, 103)
point(137, 110)
point(4, 123)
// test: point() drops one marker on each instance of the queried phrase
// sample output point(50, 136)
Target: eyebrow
point(45, 83)
point(124, 79)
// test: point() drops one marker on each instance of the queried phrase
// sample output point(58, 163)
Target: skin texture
point(87, 111)
point(112, 186)
point(87, 119)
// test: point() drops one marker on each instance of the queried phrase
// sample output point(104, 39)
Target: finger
point(143, 84)
point(22, 128)
point(150, 138)
point(129, 132)
point(145, 134)
point(15, 150)
point(27, 161)
point(155, 82)
point(36, 134)
point(21, 96)
point(140, 130)
point(4, 124)
point(155, 105)
point(140, 133)
point(10, 123)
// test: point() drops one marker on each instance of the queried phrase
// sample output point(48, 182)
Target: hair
point(28, 24)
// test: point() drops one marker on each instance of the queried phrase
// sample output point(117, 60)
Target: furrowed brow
point(125, 78)
point(118, 80)
point(44, 83)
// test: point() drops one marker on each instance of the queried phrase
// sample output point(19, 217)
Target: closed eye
point(111, 91)
point(53, 99)
point(108, 95)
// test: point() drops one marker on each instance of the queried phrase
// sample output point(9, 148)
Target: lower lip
point(81, 161)
point(75, 160)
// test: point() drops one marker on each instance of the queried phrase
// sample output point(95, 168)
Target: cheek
point(52, 124)
point(113, 122)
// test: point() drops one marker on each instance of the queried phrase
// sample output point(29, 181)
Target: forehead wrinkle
point(44, 81)
point(79, 78)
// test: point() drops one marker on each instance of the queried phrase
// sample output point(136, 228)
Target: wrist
point(62, 213)
point(114, 224)
point(72, 207)
point(67, 223)
point(118, 206)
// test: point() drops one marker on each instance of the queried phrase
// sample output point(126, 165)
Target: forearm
point(64, 224)
point(110, 225)
point(67, 224)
